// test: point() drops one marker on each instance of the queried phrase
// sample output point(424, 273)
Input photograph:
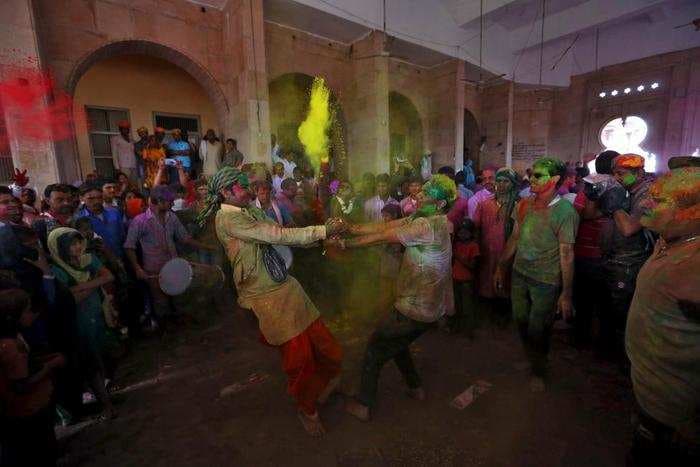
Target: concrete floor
point(581, 420)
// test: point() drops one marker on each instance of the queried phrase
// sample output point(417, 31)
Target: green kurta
point(283, 309)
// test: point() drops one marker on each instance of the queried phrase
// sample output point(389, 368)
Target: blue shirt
point(181, 151)
point(110, 226)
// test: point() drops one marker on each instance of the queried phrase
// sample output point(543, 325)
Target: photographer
point(625, 244)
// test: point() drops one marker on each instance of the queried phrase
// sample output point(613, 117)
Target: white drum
point(178, 276)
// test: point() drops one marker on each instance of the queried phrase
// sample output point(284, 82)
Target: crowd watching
point(80, 263)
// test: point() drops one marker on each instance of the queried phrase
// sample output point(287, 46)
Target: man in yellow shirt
point(288, 319)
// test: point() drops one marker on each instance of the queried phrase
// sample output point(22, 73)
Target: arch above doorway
point(405, 131)
point(143, 47)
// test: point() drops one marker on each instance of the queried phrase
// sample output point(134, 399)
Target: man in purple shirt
point(488, 181)
point(156, 231)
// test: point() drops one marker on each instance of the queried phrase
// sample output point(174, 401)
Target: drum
point(179, 276)
point(286, 253)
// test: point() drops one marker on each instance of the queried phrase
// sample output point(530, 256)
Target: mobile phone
point(170, 162)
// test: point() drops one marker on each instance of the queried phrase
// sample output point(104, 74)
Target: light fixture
point(614, 93)
point(654, 85)
point(628, 90)
point(602, 94)
point(640, 88)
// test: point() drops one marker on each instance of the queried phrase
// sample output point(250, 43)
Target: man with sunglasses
point(542, 244)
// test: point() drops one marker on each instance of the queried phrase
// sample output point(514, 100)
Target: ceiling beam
point(580, 18)
point(466, 11)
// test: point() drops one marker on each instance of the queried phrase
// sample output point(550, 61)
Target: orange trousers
point(310, 360)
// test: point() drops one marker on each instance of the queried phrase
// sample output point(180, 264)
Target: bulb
point(628, 90)
point(654, 85)
point(614, 93)
point(640, 88)
point(602, 94)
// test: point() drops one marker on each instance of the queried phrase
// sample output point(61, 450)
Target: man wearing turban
point(288, 319)
point(423, 293)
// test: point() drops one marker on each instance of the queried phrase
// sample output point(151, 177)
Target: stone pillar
point(459, 115)
point(677, 107)
point(244, 47)
point(18, 33)
point(446, 113)
point(367, 108)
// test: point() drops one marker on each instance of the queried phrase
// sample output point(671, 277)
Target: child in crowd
point(25, 388)
point(465, 254)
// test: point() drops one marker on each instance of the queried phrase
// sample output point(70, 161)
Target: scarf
point(224, 178)
point(506, 202)
point(80, 274)
point(346, 209)
point(275, 208)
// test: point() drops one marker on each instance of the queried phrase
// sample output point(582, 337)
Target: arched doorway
point(289, 104)
point(405, 131)
point(472, 139)
point(66, 151)
point(144, 90)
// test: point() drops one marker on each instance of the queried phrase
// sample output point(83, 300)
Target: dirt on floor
point(177, 415)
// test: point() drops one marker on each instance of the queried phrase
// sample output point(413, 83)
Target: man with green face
point(663, 329)
point(423, 291)
point(626, 244)
point(542, 244)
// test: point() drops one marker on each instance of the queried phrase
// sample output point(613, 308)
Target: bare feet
point(357, 410)
point(311, 423)
point(537, 384)
point(331, 388)
point(416, 393)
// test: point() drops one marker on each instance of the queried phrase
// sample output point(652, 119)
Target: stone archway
point(289, 102)
point(67, 152)
point(141, 47)
point(405, 130)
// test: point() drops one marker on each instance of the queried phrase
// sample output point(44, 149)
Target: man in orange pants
point(288, 319)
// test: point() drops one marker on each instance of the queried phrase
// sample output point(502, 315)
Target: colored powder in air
point(313, 131)
point(35, 109)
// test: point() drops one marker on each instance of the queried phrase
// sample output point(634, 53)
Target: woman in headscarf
point(493, 218)
point(152, 154)
point(84, 275)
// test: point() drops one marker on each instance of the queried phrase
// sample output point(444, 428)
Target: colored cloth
point(350, 211)
point(424, 286)
point(110, 226)
point(534, 309)
point(181, 151)
point(277, 213)
point(210, 154)
point(14, 367)
point(459, 211)
point(277, 184)
point(310, 360)
point(464, 192)
point(283, 309)
point(390, 341)
point(464, 253)
point(374, 206)
point(474, 201)
point(122, 153)
point(294, 209)
point(89, 317)
point(150, 164)
point(408, 206)
point(492, 240)
point(542, 230)
point(157, 239)
point(589, 231)
point(663, 338)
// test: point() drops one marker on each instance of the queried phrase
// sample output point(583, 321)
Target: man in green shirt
point(423, 291)
point(542, 244)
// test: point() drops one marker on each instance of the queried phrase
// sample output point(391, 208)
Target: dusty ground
point(582, 420)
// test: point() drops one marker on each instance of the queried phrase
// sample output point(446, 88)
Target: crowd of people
point(615, 253)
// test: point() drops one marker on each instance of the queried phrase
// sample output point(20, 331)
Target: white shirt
point(277, 184)
point(374, 206)
point(275, 154)
point(289, 167)
point(122, 153)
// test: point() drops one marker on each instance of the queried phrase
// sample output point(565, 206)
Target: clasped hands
point(335, 227)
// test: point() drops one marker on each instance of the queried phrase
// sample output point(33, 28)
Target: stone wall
point(20, 50)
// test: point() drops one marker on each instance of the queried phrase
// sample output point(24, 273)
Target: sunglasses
point(538, 176)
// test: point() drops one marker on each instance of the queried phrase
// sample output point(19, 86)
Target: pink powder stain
point(35, 109)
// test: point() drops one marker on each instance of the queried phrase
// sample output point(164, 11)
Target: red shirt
point(588, 238)
point(463, 253)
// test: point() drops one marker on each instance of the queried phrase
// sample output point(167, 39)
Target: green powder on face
point(629, 179)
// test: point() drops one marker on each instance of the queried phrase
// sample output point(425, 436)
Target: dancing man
point(288, 319)
point(423, 293)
